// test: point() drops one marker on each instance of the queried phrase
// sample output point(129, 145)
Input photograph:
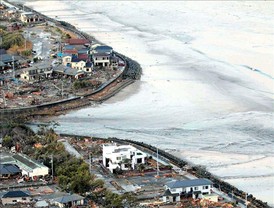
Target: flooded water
point(206, 93)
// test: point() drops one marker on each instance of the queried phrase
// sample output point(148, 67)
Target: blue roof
point(83, 50)
point(103, 49)
point(68, 47)
point(14, 194)
point(60, 54)
point(9, 169)
point(189, 183)
point(89, 64)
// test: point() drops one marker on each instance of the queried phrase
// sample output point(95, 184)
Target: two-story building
point(194, 187)
point(29, 17)
point(101, 59)
point(39, 71)
point(123, 157)
point(102, 49)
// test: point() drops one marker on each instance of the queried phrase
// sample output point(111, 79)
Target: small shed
point(69, 200)
point(169, 197)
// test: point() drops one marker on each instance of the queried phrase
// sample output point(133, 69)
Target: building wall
point(130, 153)
point(66, 60)
point(101, 60)
point(78, 65)
point(15, 200)
point(203, 189)
point(36, 74)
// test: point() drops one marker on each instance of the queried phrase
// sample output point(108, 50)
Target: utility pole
point(4, 98)
point(52, 168)
point(62, 89)
point(246, 200)
point(13, 70)
point(157, 163)
point(89, 161)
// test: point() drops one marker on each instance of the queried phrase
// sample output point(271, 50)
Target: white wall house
point(34, 73)
point(123, 157)
point(101, 59)
point(78, 65)
point(28, 17)
point(66, 60)
point(196, 187)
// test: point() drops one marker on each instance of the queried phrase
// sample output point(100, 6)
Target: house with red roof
point(77, 41)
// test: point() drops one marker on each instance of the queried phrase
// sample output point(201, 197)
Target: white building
point(124, 157)
point(29, 17)
point(29, 167)
point(194, 187)
point(101, 59)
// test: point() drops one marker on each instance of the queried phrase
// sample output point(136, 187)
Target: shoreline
point(68, 109)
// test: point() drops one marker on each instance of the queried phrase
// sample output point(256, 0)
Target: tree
point(97, 184)
point(141, 167)
point(26, 53)
point(12, 39)
point(7, 142)
point(112, 200)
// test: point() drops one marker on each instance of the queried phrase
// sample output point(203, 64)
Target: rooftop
point(9, 169)
point(100, 54)
point(15, 194)
point(75, 41)
point(103, 49)
point(22, 161)
point(72, 51)
point(189, 183)
point(68, 198)
point(5, 58)
point(67, 70)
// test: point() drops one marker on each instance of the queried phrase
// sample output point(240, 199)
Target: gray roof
point(25, 161)
point(43, 65)
point(67, 70)
point(68, 198)
point(42, 204)
point(189, 183)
